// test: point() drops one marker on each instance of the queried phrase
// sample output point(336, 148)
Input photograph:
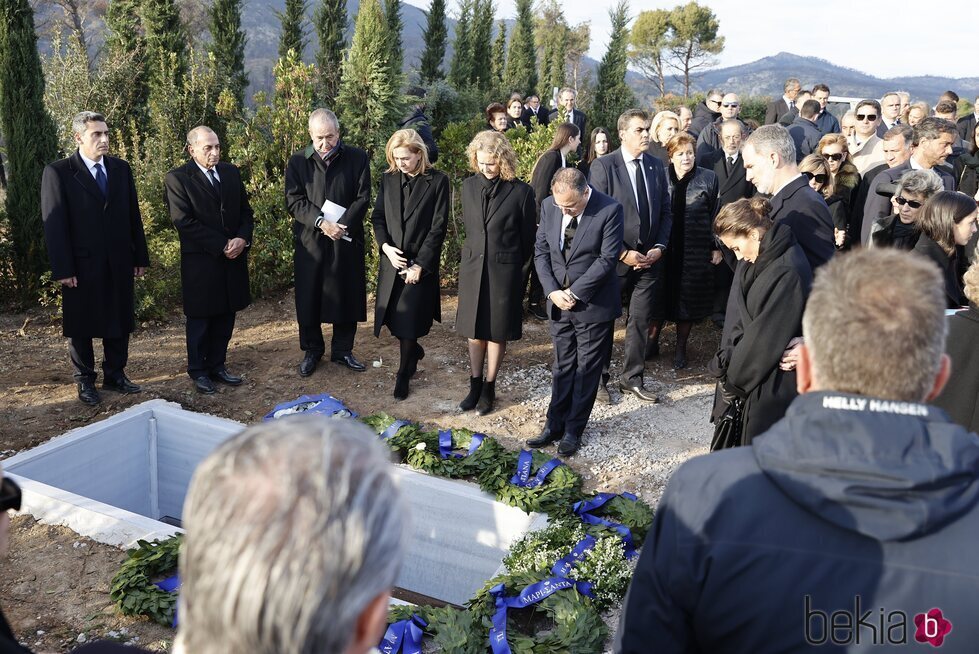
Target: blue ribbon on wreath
point(393, 429)
point(445, 445)
point(564, 566)
point(529, 596)
point(525, 463)
point(584, 508)
point(170, 585)
point(404, 636)
point(323, 404)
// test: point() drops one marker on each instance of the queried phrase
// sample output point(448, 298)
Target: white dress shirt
point(91, 165)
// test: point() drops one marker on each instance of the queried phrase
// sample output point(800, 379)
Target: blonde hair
point(496, 144)
point(847, 176)
point(407, 138)
point(815, 163)
point(658, 120)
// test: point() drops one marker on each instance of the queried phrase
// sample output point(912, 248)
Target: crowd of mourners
point(837, 256)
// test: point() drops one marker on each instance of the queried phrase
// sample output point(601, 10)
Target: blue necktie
point(101, 181)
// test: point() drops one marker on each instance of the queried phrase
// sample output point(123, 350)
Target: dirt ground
point(54, 584)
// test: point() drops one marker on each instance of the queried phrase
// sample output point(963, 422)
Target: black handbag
point(727, 428)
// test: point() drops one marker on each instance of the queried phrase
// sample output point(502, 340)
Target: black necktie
point(569, 232)
point(643, 202)
point(214, 180)
point(101, 180)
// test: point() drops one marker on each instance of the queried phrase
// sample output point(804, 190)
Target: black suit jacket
point(775, 110)
point(543, 117)
point(590, 266)
point(610, 175)
point(733, 184)
point(966, 127)
point(213, 284)
point(877, 206)
point(99, 240)
point(579, 118)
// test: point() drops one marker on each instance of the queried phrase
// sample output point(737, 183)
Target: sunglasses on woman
point(821, 178)
point(911, 203)
point(838, 156)
point(9, 495)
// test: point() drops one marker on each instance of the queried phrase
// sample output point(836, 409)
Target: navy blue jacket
point(846, 500)
point(590, 267)
point(806, 137)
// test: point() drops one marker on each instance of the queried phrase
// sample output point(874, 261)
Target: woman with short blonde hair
point(496, 145)
point(411, 139)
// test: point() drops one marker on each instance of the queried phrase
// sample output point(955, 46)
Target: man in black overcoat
point(331, 284)
point(638, 182)
point(578, 244)
point(209, 208)
point(95, 241)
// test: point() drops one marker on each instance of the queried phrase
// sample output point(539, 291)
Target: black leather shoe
point(88, 394)
point(349, 361)
point(568, 445)
point(639, 392)
point(603, 394)
point(226, 377)
point(546, 437)
point(204, 385)
point(401, 386)
point(537, 311)
point(308, 364)
point(121, 385)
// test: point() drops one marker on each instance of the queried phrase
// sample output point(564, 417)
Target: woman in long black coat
point(947, 222)
point(687, 282)
point(960, 397)
point(775, 281)
point(500, 221)
point(410, 216)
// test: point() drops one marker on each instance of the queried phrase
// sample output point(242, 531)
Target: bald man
point(209, 208)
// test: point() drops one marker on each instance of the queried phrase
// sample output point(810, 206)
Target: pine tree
point(482, 45)
point(125, 30)
point(228, 46)
point(521, 63)
point(330, 20)
point(368, 102)
point(293, 34)
point(499, 60)
point(165, 36)
point(462, 66)
point(436, 37)
point(392, 14)
point(552, 32)
point(125, 40)
point(613, 95)
point(31, 141)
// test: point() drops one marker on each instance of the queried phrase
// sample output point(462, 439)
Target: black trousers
point(639, 289)
point(115, 356)
point(579, 352)
point(342, 343)
point(207, 343)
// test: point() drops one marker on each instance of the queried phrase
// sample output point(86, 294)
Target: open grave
point(125, 478)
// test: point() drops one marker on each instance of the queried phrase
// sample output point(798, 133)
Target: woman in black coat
point(960, 397)
point(410, 217)
point(599, 145)
point(500, 222)
point(567, 137)
point(947, 220)
point(775, 279)
point(686, 284)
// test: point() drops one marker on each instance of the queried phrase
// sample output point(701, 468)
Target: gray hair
point(81, 120)
point(567, 89)
point(324, 115)
point(789, 83)
point(930, 128)
point(569, 179)
point(196, 133)
point(773, 138)
point(905, 308)
point(293, 528)
point(920, 182)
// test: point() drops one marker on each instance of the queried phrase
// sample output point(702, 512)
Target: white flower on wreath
point(420, 447)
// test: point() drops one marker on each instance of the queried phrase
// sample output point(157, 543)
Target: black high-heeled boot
point(475, 388)
point(486, 398)
point(401, 386)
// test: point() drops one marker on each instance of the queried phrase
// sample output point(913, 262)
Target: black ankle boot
point(401, 386)
point(486, 398)
point(475, 388)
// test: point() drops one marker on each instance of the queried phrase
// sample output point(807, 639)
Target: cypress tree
point(482, 45)
point(31, 142)
point(521, 63)
point(165, 35)
point(330, 20)
point(499, 59)
point(613, 95)
point(462, 66)
point(228, 46)
point(125, 37)
point(368, 102)
point(436, 36)
point(293, 34)
point(392, 14)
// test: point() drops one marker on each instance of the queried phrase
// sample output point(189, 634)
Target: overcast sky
point(845, 32)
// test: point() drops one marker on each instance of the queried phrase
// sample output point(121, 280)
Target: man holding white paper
point(327, 190)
